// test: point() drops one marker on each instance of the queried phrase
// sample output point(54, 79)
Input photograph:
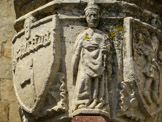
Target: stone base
point(94, 112)
point(88, 119)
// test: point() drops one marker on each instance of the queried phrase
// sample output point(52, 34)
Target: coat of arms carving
point(35, 61)
point(88, 57)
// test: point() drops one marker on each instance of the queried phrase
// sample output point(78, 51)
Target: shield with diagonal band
point(35, 61)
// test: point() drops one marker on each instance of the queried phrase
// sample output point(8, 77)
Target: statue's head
point(92, 13)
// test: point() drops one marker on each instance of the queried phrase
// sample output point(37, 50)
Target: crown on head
point(92, 5)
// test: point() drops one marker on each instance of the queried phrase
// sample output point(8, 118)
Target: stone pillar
point(87, 60)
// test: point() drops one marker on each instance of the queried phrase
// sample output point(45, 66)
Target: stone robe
point(90, 70)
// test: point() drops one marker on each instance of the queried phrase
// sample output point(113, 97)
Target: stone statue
point(65, 70)
point(152, 72)
point(90, 65)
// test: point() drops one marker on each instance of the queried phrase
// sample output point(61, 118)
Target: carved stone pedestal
point(88, 119)
point(87, 57)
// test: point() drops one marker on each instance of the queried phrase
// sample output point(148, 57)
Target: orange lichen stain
point(86, 37)
point(119, 28)
point(112, 33)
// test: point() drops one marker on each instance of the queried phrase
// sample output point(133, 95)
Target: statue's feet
point(147, 96)
point(81, 106)
point(93, 104)
point(99, 105)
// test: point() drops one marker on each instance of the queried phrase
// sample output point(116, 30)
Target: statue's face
point(92, 17)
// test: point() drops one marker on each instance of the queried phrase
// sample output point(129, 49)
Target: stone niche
point(85, 59)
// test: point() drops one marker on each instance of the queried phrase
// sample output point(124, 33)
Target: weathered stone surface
point(149, 5)
point(4, 110)
point(7, 18)
point(31, 85)
point(7, 50)
point(25, 6)
point(9, 106)
point(141, 94)
point(7, 91)
point(108, 66)
point(88, 119)
point(5, 68)
point(14, 112)
point(90, 65)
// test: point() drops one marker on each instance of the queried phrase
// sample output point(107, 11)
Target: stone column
point(87, 60)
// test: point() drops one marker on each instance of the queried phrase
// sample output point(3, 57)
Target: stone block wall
point(8, 104)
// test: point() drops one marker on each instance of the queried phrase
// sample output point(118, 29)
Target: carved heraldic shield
point(35, 61)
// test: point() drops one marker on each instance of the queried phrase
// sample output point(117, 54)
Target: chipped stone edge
point(139, 96)
point(91, 112)
point(50, 76)
point(49, 18)
point(58, 2)
point(128, 57)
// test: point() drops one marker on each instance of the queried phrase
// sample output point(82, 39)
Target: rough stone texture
point(4, 110)
point(25, 9)
point(7, 91)
point(149, 5)
point(14, 112)
point(8, 103)
point(88, 119)
point(127, 34)
point(5, 68)
point(7, 18)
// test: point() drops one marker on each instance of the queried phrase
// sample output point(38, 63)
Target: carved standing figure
point(152, 72)
point(90, 64)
